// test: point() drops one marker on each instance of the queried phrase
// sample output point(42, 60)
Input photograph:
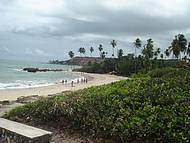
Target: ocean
point(12, 76)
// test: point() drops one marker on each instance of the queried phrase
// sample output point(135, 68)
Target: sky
point(48, 29)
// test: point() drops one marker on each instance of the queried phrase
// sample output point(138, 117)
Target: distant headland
point(79, 61)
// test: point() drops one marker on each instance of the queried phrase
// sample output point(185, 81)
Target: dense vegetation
point(152, 107)
point(145, 58)
point(125, 65)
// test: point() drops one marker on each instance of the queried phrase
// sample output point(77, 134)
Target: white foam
point(23, 84)
point(19, 70)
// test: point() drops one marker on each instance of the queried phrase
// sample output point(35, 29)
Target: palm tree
point(137, 45)
point(71, 54)
point(175, 48)
point(178, 45)
point(103, 55)
point(167, 53)
point(183, 43)
point(114, 44)
point(100, 49)
point(157, 52)
point(83, 51)
point(80, 50)
point(148, 53)
point(188, 50)
point(120, 54)
point(91, 50)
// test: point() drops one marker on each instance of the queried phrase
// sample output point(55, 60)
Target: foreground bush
point(148, 108)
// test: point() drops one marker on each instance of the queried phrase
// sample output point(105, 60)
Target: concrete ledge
point(13, 132)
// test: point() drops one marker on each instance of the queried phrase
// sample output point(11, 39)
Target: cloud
point(63, 17)
point(70, 24)
point(36, 52)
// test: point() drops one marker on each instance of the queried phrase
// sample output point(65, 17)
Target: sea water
point(12, 76)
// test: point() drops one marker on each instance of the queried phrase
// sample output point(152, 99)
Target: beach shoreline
point(93, 80)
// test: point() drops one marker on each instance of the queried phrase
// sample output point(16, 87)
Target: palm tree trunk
point(113, 52)
point(117, 52)
point(135, 60)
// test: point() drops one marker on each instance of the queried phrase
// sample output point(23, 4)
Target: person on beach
point(72, 83)
point(65, 81)
point(77, 81)
point(62, 81)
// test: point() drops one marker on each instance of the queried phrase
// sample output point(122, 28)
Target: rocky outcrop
point(34, 70)
point(79, 61)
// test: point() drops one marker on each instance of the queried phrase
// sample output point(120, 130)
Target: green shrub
point(147, 108)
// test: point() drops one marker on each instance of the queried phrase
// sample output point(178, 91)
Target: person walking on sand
point(72, 83)
point(63, 81)
point(86, 80)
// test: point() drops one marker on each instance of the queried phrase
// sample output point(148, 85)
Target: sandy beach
point(93, 80)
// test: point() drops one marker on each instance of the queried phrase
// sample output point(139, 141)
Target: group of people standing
point(79, 80)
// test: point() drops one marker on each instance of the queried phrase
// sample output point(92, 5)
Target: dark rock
point(6, 102)
point(31, 69)
point(34, 70)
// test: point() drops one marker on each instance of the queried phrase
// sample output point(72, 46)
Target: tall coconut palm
point(167, 52)
point(137, 44)
point(157, 52)
point(71, 54)
point(100, 48)
point(175, 47)
point(83, 51)
point(148, 53)
point(91, 50)
point(114, 44)
point(80, 50)
point(103, 55)
point(120, 54)
point(178, 45)
point(183, 43)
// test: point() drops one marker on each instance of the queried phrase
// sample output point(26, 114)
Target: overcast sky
point(48, 29)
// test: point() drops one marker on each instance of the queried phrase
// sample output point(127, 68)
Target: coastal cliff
point(80, 61)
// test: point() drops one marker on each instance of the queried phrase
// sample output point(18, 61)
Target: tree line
point(145, 56)
point(179, 49)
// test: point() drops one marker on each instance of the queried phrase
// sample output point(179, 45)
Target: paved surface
point(21, 129)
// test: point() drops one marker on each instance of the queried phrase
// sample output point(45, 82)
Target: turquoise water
point(12, 76)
